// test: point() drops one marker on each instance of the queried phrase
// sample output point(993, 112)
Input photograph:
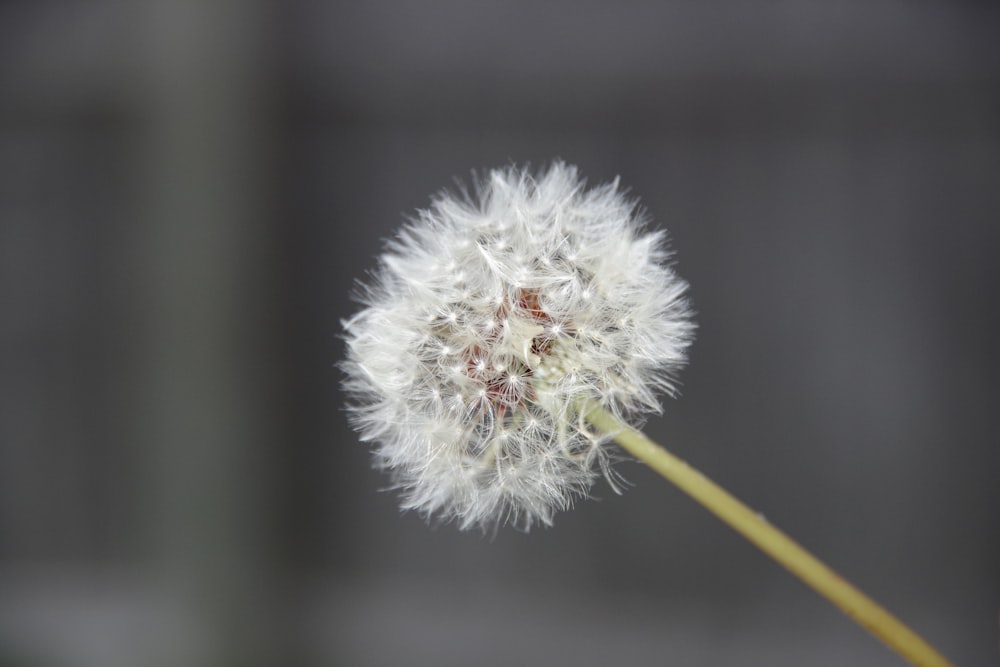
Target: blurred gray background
point(189, 188)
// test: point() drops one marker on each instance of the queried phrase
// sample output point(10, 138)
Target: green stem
point(865, 611)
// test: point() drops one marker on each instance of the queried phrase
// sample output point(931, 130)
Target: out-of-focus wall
point(188, 191)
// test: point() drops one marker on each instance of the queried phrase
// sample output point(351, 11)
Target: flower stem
point(865, 611)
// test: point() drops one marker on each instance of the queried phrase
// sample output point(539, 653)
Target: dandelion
point(492, 317)
point(510, 337)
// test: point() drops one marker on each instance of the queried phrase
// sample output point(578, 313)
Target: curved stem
point(865, 611)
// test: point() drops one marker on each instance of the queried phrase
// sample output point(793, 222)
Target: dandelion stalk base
point(865, 611)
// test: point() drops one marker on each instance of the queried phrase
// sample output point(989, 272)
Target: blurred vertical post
point(206, 414)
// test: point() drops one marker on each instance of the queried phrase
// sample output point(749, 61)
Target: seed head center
point(519, 337)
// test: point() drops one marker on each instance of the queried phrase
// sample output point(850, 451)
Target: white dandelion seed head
point(490, 319)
